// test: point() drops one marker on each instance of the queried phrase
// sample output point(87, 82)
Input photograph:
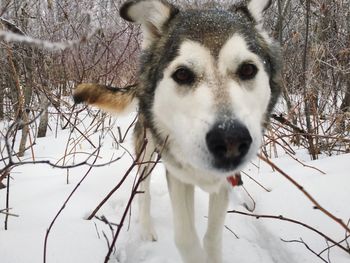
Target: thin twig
point(4, 211)
point(119, 184)
point(64, 205)
point(250, 196)
point(255, 181)
point(135, 163)
point(307, 246)
point(301, 188)
point(347, 235)
point(305, 165)
point(142, 177)
point(282, 218)
point(229, 229)
point(7, 200)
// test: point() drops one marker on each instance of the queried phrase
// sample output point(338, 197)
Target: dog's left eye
point(183, 76)
point(247, 71)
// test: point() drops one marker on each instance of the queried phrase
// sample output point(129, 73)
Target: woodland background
point(47, 47)
point(63, 43)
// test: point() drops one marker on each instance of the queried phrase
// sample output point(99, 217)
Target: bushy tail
point(107, 98)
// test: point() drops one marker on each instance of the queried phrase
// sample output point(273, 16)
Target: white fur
point(149, 13)
point(183, 112)
point(186, 238)
point(249, 99)
point(256, 8)
point(186, 114)
point(148, 232)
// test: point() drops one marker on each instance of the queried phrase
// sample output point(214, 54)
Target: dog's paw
point(212, 249)
point(148, 233)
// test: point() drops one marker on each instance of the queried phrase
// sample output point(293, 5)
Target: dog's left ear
point(152, 15)
point(257, 8)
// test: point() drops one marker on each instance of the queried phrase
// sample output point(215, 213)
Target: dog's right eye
point(183, 76)
point(247, 71)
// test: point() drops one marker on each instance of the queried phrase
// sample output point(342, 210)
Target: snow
point(37, 193)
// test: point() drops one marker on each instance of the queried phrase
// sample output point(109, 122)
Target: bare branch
point(307, 246)
point(64, 205)
point(282, 218)
point(316, 204)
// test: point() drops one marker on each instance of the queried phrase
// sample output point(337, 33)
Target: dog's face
point(209, 79)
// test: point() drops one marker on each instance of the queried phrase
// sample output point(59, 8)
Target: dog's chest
point(189, 175)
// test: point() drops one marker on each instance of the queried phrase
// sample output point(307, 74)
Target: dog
point(208, 81)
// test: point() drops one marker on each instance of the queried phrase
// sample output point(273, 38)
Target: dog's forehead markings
point(234, 52)
point(199, 59)
point(194, 54)
point(216, 72)
point(212, 28)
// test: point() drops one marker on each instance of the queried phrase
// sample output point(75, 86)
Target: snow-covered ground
point(37, 193)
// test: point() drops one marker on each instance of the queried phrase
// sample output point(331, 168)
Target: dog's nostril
point(220, 150)
point(244, 147)
point(229, 144)
point(216, 143)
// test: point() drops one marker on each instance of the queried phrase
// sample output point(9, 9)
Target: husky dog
point(208, 80)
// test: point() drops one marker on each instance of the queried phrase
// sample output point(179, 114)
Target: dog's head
point(209, 79)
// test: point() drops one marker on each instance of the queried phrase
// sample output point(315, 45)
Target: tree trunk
point(25, 133)
point(305, 82)
point(2, 91)
point(44, 118)
point(345, 106)
point(27, 96)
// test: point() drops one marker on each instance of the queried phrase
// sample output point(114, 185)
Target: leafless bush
point(314, 36)
point(47, 47)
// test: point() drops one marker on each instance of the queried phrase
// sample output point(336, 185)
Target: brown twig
point(142, 177)
point(7, 199)
point(11, 163)
point(250, 196)
point(301, 188)
point(128, 129)
point(229, 229)
point(255, 181)
point(64, 205)
point(120, 182)
point(307, 247)
point(305, 165)
point(69, 121)
point(331, 246)
point(286, 122)
point(282, 218)
point(4, 211)
point(347, 235)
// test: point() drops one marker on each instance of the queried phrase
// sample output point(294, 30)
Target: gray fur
point(211, 28)
point(166, 29)
point(206, 128)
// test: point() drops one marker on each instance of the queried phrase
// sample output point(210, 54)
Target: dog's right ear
point(257, 7)
point(254, 9)
point(152, 15)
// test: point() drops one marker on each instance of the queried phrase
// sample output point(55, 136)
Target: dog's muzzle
point(228, 142)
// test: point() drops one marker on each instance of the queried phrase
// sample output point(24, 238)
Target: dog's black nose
point(228, 141)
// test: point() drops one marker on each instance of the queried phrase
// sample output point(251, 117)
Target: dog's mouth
point(227, 164)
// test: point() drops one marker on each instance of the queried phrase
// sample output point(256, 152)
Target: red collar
point(235, 180)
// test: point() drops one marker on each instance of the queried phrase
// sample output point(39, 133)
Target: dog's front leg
point(186, 239)
point(213, 238)
point(148, 232)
